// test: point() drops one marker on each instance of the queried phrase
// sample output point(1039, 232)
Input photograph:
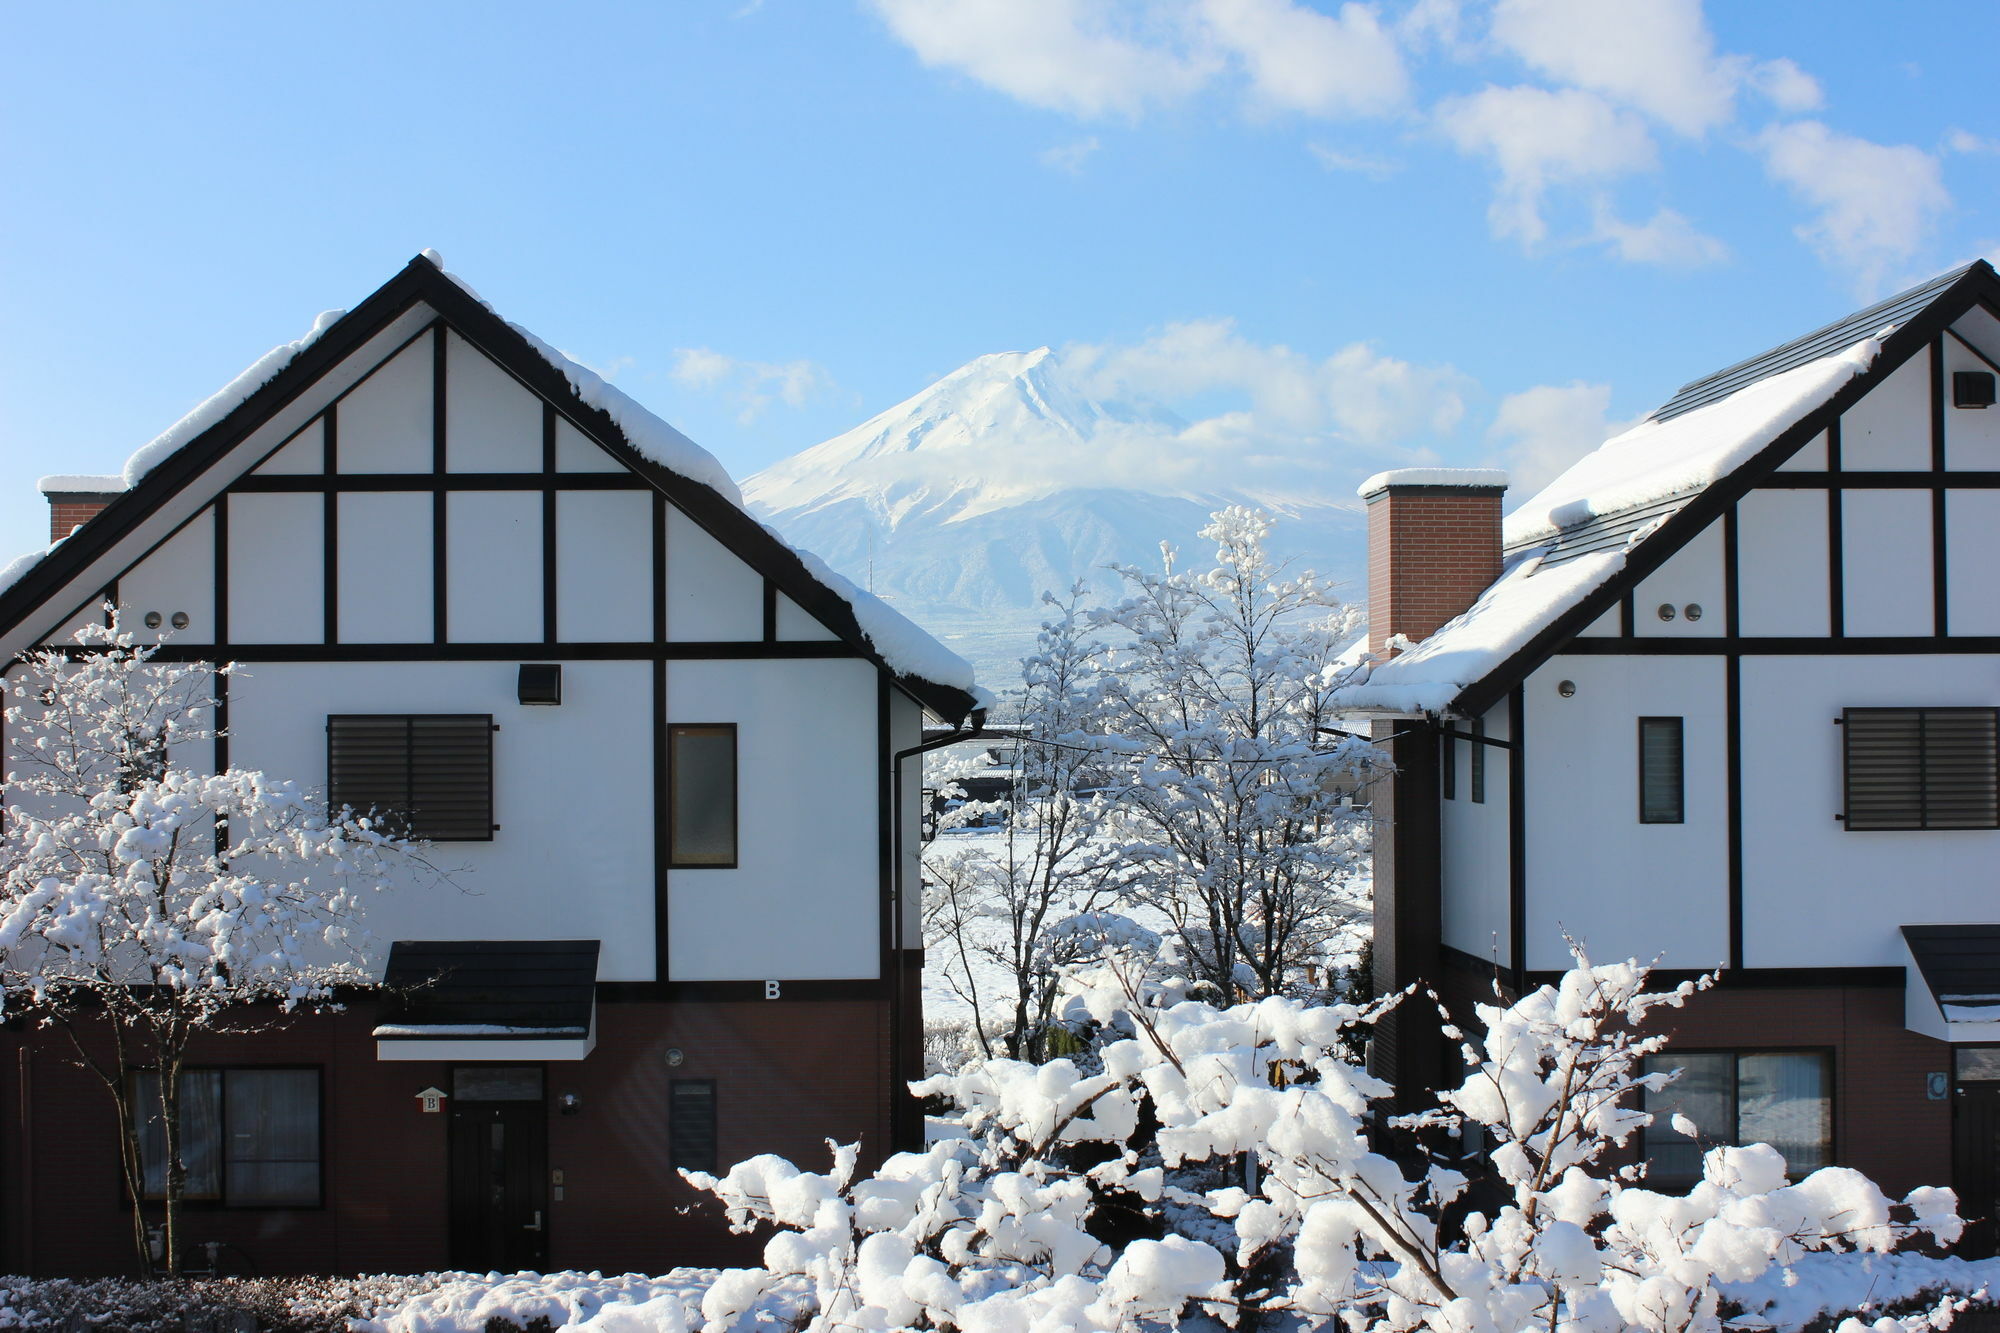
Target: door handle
point(535, 1225)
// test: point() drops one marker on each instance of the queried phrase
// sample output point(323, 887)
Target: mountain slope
point(964, 503)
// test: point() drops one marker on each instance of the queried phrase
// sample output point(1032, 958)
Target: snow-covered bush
point(1260, 1152)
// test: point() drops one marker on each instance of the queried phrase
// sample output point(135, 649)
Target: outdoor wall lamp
point(569, 1103)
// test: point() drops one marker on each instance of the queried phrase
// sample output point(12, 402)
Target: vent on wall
point(1922, 768)
point(1972, 388)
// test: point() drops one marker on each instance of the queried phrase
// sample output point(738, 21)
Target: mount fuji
point(962, 504)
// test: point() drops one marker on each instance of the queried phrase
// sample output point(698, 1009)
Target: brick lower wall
point(789, 1076)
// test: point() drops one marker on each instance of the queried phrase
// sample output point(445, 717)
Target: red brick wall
point(1431, 552)
point(789, 1075)
point(69, 510)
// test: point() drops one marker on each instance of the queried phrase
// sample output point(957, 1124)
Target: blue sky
point(1477, 232)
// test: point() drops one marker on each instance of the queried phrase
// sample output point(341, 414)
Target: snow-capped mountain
point(965, 502)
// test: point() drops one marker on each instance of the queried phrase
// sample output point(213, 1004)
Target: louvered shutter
point(431, 774)
point(1922, 768)
point(1662, 773)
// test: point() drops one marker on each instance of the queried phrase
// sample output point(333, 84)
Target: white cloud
point(1357, 394)
point(1070, 157)
point(1787, 87)
point(1667, 238)
point(1299, 59)
point(1375, 168)
point(1964, 141)
point(1064, 55)
point(1876, 202)
point(1123, 57)
point(1543, 430)
point(755, 385)
point(1655, 55)
point(1538, 138)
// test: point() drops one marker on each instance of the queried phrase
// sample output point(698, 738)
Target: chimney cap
point(63, 483)
point(1434, 478)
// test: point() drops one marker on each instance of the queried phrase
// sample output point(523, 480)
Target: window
point(691, 1124)
point(1448, 777)
point(1662, 782)
point(1479, 760)
point(431, 774)
point(701, 763)
point(249, 1137)
point(1783, 1098)
point(1922, 768)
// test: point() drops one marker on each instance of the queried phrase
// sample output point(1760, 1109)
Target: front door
point(499, 1173)
point(1975, 1167)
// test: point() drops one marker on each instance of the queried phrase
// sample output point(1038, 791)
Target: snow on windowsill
point(393, 1030)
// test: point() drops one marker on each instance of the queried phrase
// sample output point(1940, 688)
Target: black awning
point(1960, 965)
point(533, 989)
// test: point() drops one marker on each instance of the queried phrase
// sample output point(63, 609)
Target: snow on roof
point(76, 483)
point(1654, 461)
point(1468, 477)
point(1659, 460)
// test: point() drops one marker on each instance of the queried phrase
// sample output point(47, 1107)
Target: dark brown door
point(1975, 1173)
point(499, 1196)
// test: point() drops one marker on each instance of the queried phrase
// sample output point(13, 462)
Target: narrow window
point(430, 775)
point(1662, 780)
point(1783, 1098)
point(250, 1138)
point(1922, 768)
point(1479, 760)
point(691, 1124)
point(701, 763)
point(1448, 775)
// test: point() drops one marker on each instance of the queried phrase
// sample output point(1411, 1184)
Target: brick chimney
point(74, 501)
point(1433, 547)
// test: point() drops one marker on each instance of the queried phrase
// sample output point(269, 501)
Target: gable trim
point(421, 282)
point(1976, 286)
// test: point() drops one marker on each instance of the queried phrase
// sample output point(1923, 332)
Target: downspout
point(961, 732)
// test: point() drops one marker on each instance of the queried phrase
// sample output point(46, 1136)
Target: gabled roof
point(1621, 511)
point(686, 474)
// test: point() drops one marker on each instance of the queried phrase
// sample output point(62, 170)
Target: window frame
point(1923, 713)
point(1829, 1074)
point(1478, 783)
point(221, 1203)
point(411, 830)
point(675, 861)
point(1680, 770)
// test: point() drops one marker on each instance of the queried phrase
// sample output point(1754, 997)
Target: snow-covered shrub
point(994, 1231)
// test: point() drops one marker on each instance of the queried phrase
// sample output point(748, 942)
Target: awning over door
point(489, 1000)
point(1953, 982)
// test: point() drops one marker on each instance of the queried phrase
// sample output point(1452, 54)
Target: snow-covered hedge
point(1258, 1153)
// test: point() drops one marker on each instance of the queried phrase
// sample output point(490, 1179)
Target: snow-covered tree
point(998, 906)
point(1232, 812)
point(992, 1231)
point(145, 900)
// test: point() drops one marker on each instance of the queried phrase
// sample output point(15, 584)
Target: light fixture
point(1972, 388)
point(1666, 610)
point(569, 1103)
point(180, 620)
point(540, 683)
point(674, 1057)
point(152, 620)
point(1693, 611)
point(1566, 688)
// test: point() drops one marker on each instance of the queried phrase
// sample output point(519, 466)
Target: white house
point(469, 580)
point(1725, 694)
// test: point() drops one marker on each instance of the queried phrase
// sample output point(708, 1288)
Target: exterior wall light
point(180, 620)
point(152, 620)
point(1972, 388)
point(1666, 610)
point(569, 1103)
point(1693, 611)
point(541, 683)
point(1566, 688)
